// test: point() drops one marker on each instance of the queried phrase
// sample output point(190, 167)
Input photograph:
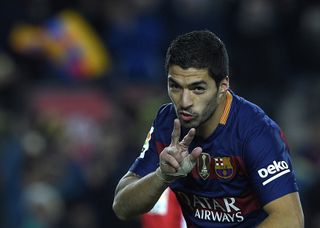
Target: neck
point(210, 125)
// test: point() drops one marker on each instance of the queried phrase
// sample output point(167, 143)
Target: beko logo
point(278, 168)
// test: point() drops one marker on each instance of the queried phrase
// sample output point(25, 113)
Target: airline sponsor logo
point(225, 209)
point(273, 171)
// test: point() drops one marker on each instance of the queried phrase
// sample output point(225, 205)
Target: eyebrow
point(196, 83)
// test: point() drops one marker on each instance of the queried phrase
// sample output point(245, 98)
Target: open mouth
point(186, 116)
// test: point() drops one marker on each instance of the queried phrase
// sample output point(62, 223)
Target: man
point(226, 161)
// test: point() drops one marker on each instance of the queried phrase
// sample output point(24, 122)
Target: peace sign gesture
point(175, 160)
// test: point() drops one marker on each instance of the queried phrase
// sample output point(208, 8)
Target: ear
point(224, 85)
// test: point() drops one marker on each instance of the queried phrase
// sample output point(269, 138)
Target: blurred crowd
point(72, 121)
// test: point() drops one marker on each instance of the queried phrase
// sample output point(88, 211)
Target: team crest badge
point(223, 167)
point(203, 165)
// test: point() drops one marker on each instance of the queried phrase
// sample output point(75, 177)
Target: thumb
point(196, 152)
point(189, 162)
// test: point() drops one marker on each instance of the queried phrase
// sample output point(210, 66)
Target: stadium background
point(80, 82)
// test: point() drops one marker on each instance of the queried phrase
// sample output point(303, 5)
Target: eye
point(174, 86)
point(199, 90)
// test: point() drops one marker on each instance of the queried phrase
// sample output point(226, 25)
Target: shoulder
point(250, 121)
point(166, 113)
point(247, 109)
point(257, 128)
point(165, 117)
point(251, 115)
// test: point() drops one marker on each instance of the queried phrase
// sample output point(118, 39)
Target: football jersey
point(245, 164)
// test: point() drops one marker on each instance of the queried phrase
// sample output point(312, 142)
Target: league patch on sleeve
point(146, 143)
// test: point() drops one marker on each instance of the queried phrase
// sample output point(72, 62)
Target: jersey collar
point(227, 107)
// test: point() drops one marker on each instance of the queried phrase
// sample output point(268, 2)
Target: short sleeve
point(268, 162)
point(148, 159)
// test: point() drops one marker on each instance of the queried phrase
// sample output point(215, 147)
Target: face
point(194, 94)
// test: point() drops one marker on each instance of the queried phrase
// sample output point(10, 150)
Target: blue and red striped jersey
point(245, 164)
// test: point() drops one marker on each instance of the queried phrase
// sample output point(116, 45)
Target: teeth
point(187, 114)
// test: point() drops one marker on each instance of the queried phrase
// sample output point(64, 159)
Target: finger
point(179, 155)
point(167, 168)
point(184, 154)
point(189, 162)
point(170, 161)
point(175, 136)
point(189, 137)
point(196, 152)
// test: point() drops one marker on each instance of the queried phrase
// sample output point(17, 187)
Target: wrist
point(164, 178)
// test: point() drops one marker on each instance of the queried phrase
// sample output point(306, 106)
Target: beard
point(200, 118)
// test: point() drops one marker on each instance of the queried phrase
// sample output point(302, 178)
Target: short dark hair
point(199, 49)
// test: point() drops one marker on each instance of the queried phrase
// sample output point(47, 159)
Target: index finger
point(175, 136)
point(188, 138)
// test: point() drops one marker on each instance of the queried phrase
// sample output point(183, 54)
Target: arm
point(135, 195)
point(271, 171)
point(284, 212)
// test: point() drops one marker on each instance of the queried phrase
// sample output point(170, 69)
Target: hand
point(175, 160)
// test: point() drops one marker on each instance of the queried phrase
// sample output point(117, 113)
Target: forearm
point(278, 221)
point(284, 212)
point(139, 196)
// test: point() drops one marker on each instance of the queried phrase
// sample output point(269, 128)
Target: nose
point(186, 99)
